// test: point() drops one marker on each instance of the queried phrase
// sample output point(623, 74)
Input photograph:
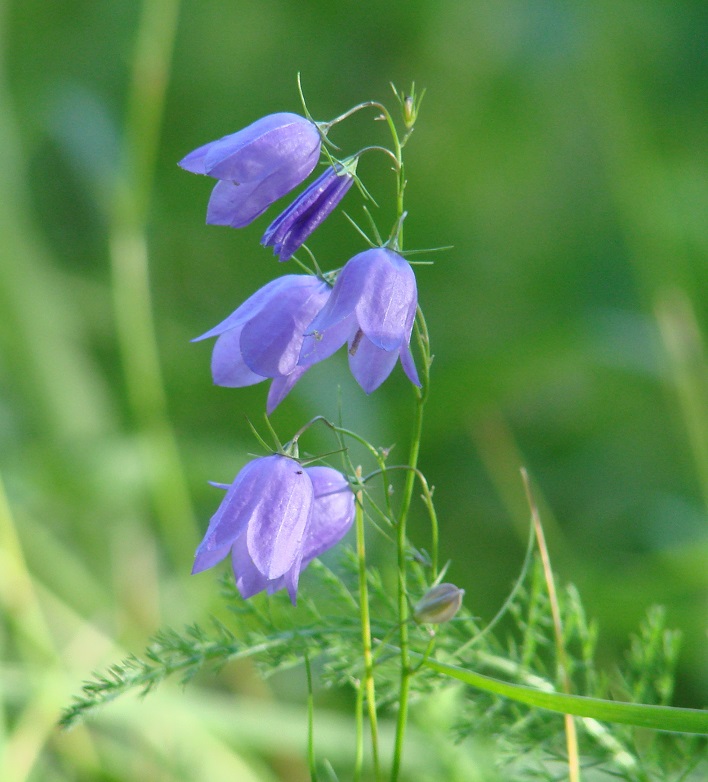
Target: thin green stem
point(359, 721)
point(401, 546)
point(366, 634)
point(401, 540)
point(310, 721)
point(427, 498)
point(401, 537)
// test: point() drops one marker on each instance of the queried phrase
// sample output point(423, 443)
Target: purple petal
point(272, 338)
point(274, 142)
point(278, 523)
point(347, 291)
point(290, 580)
point(253, 304)
point(237, 507)
point(289, 231)
point(388, 300)
point(332, 511)
point(228, 368)
point(409, 365)
point(194, 162)
point(237, 205)
point(249, 579)
point(317, 346)
point(205, 558)
point(370, 364)
point(277, 230)
point(281, 387)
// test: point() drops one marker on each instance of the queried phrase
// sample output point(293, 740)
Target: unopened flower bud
point(438, 604)
point(409, 111)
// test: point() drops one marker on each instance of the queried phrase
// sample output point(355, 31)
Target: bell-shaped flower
point(263, 337)
point(291, 228)
point(275, 519)
point(256, 166)
point(372, 308)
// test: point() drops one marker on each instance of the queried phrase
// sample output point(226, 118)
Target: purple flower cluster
point(297, 320)
point(259, 165)
point(278, 515)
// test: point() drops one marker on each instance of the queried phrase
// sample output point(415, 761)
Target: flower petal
point(271, 340)
point(409, 365)
point(241, 500)
point(194, 162)
point(317, 346)
point(332, 511)
point(263, 297)
point(249, 579)
point(271, 143)
point(370, 364)
point(278, 524)
point(348, 289)
point(237, 205)
point(387, 300)
point(206, 558)
point(288, 231)
point(281, 387)
point(228, 368)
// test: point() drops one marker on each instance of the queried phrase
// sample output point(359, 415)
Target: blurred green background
point(560, 150)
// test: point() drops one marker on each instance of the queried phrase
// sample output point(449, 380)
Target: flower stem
point(310, 721)
point(401, 545)
point(401, 538)
point(366, 634)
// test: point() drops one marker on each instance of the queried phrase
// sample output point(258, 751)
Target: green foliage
point(530, 742)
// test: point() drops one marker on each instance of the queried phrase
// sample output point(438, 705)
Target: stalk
point(366, 635)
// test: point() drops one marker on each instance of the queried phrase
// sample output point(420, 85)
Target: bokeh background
point(560, 151)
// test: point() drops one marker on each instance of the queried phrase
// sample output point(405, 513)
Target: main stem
point(366, 634)
point(401, 537)
point(401, 543)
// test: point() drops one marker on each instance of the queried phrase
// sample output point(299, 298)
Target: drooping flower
point(372, 307)
point(275, 519)
point(256, 166)
point(290, 229)
point(263, 337)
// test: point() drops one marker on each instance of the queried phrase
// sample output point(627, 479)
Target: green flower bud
point(409, 111)
point(438, 604)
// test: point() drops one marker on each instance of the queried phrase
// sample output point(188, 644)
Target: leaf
point(665, 718)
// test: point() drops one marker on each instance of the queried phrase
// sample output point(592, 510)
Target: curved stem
point(365, 105)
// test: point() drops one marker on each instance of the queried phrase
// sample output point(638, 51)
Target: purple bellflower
point(256, 166)
point(290, 229)
point(276, 517)
point(372, 307)
point(263, 337)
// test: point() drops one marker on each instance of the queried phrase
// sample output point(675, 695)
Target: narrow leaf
point(666, 718)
